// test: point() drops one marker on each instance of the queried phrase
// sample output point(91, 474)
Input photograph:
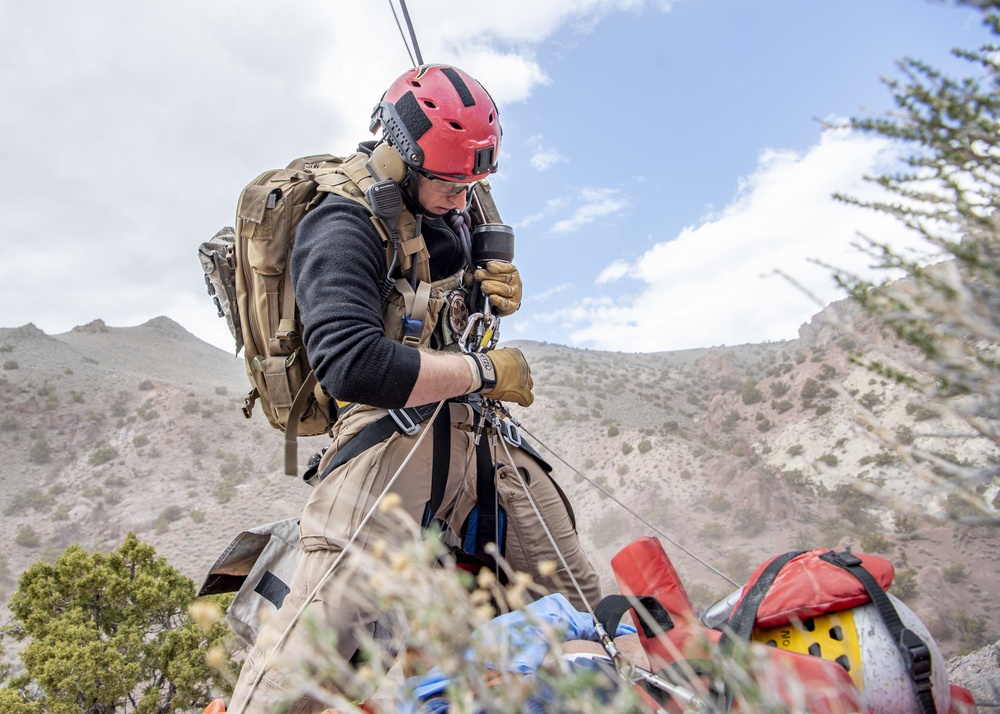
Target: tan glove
point(502, 283)
point(503, 374)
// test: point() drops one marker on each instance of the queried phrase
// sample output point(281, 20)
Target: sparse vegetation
point(102, 453)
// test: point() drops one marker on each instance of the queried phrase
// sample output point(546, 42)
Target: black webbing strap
point(653, 617)
point(486, 498)
point(396, 421)
point(440, 465)
point(914, 651)
point(739, 626)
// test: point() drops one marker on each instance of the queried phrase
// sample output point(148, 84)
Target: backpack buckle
point(404, 421)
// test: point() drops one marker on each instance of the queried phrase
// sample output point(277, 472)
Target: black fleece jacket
point(337, 262)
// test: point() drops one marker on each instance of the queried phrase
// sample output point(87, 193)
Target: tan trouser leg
point(335, 511)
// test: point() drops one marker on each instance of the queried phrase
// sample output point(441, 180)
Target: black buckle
point(918, 657)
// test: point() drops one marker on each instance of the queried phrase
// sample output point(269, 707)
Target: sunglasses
point(443, 187)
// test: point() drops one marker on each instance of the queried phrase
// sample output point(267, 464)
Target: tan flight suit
point(336, 508)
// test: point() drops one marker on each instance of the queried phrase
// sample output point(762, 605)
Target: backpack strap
point(914, 651)
point(295, 414)
point(416, 303)
point(351, 179)
point(739, 626)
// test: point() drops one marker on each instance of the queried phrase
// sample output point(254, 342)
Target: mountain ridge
point(733, 453)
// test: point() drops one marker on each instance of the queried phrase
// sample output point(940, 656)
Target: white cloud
point(616, 271)
point(594, 203)
point(543, 157)
point(551, 207)
point(716, 284)
point(133, 126)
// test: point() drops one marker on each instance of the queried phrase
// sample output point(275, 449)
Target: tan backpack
point(247, 273)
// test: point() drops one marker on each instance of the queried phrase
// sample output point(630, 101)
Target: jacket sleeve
point(337, 261)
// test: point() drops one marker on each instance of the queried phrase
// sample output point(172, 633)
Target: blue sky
point(661, 160)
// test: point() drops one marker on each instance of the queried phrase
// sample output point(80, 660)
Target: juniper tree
point(109, 633)
point(947, 189)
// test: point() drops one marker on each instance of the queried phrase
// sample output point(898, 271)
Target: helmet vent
point(429, 104)
point(456, 126)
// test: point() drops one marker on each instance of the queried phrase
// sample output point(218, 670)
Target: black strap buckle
point(918, 657)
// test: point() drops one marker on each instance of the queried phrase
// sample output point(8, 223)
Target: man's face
point(437, 196)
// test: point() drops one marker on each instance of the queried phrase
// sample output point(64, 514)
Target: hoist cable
point(402, 34)
point(413, 35)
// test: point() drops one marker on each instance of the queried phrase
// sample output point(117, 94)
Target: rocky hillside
point(729, 454)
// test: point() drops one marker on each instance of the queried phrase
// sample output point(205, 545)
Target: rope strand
point(629, 510)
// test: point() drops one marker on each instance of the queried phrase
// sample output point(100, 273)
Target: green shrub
point(718, 503)
point(954, 573)
point(41, 452)
point(904, 584)
point(11, 364)
point(146, 384)
point(781, 406)
point(749, 393)
point(795, 450)
point(27, 537)
point(140, 440)
point(644, 446)
point(870, 399)
point(972, 632)
point(102, 453)
point(613, 430)
point(875, 543)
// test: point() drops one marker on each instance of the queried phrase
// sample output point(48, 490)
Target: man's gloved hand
point(502, 283)
point(503, 375)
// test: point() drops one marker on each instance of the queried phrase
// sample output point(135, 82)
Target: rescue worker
point(368, 352)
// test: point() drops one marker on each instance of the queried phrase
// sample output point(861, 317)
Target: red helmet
point(442, 122)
